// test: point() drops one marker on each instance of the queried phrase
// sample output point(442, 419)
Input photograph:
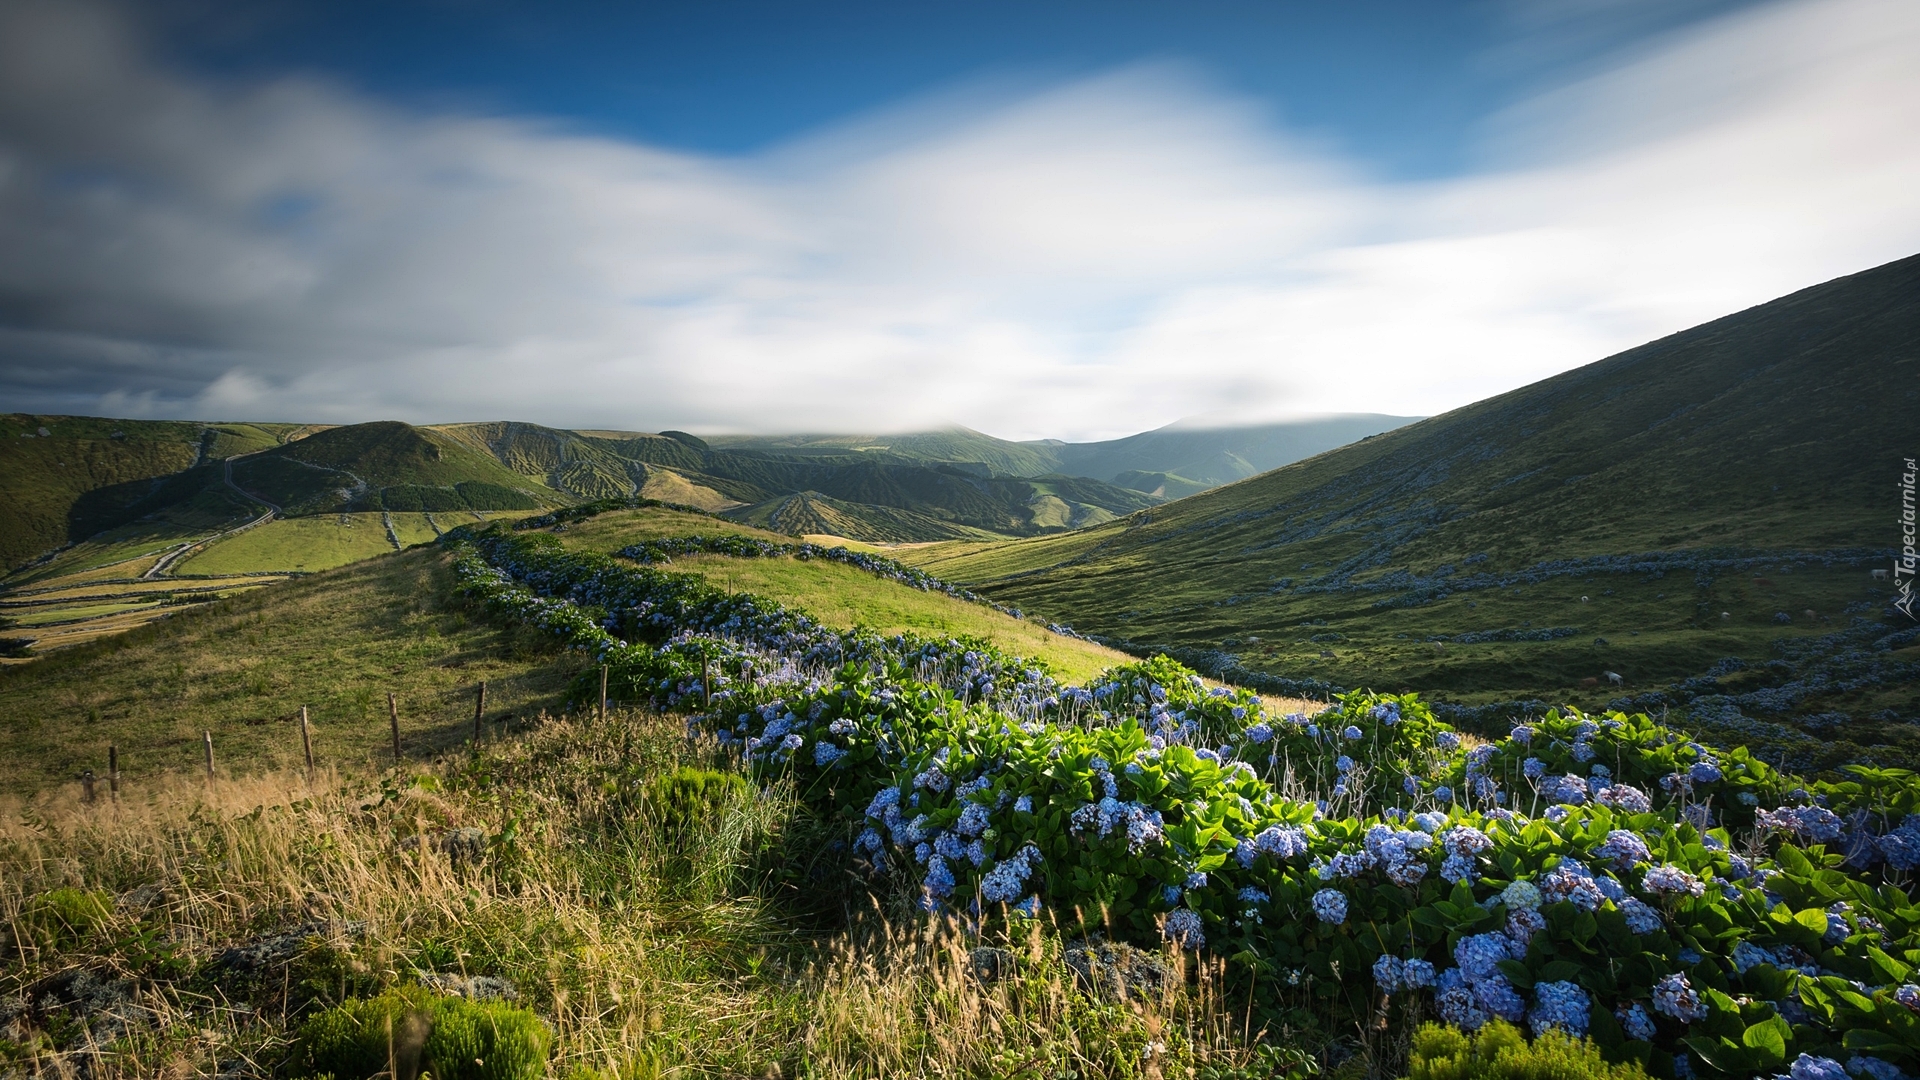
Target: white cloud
point(1075, 261)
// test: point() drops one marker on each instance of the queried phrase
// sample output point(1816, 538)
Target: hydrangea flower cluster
point(840, 712)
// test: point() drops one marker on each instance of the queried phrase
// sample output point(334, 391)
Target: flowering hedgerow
point(1684, 906)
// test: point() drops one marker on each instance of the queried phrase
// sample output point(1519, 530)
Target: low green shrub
point(61, 919)
point(689, 799)
point(411, 1031)
point(1499, 1052)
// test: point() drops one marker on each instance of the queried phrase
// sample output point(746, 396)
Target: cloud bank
point(1076, 261)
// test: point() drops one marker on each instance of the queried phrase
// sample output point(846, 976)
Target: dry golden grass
point(649, 951)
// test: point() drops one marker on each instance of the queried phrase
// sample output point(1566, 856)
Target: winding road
point(172, 558)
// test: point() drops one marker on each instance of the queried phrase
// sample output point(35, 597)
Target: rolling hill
point(66, 478)
point(340, 640)
point(1696, 516)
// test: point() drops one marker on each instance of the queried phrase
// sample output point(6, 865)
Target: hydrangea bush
point(1686, 907)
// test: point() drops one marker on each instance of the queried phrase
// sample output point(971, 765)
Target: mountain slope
point(386, 465)
point(810, 512)
point(1748, 466)
point(85, 475)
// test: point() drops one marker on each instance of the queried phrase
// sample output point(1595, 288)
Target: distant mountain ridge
point(89, 477)
point(1183, 458)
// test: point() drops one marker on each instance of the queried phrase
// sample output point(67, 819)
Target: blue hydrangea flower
point(1197, 880)
point(1863, 1067)
point(1497, 996)
point(1533, 768)
point(1416, 974)
point(1560, 1005)
point(1706, 772)
point(1624, 848)
point(1674, 996)
point(1023, 804)
point(1443, 794)
point(973, 820)
point(1521, 895)
point(1389, 973)
point(1636, 1023)
point(1480, 954)
point(1330, 905)
point(939, 880)
point(1185, 928)
point(1641, 919)
point(1447, 740)
point(1672, 879)
point(1456, 1001)
point(825, 754)
point(1343, 763)
point(1808, 1067)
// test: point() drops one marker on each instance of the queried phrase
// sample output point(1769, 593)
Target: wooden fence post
point(86, 786)
point(603, 691)
point(113, 771)
point(706, 688)
point(393, 716)
point(209, 739)
point(306, 742)
point(479, 709)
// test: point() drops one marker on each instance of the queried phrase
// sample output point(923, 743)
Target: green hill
point(810, 513)
point(338, 641)
point(66, 478)
point(386, 465)
point(1697, 516)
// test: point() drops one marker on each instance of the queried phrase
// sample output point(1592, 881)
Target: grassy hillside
point(386, 465)
point(340, 640)
point(1721, 493)
point(812, 512)
point(86, 475)
point(842, 596)
point(337, 642)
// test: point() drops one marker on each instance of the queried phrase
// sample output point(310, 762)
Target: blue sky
point(1072, 220)
point(1403, 86)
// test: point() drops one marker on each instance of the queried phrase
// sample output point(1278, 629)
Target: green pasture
point(337, 641)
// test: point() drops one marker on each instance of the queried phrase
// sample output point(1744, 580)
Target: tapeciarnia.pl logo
point(1903, 567)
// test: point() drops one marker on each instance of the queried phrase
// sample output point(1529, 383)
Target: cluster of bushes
point(1690, 909)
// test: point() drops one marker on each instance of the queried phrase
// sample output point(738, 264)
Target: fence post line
point(209, 741)
point(86, 787)
point(479, 709)
point(393, 716)
point(306, 742)
point(113, 771)
point(603, 691)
